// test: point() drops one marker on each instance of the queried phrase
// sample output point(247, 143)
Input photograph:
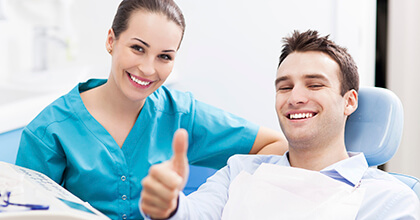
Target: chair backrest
point(375, 129)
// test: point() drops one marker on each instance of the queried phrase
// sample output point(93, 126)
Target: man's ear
point(110, 38)
point(351, 102)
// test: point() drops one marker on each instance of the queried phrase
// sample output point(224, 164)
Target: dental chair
point(9, 144)
point(375, 129)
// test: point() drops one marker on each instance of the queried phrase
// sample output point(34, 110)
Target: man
point(316, 90)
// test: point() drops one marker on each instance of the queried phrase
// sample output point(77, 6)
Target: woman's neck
point(108, 100)
point(116, 102)
point(113, 110)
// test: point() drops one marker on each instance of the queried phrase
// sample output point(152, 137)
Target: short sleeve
point(217, 135)
point(34, 154)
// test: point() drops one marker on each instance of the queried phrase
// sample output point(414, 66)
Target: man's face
point(309, 106)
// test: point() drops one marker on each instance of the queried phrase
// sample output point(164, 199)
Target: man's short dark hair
point(311, 41)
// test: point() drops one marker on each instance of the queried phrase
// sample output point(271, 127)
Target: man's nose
point(298, 96)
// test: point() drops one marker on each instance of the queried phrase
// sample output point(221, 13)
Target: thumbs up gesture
point(159, 197)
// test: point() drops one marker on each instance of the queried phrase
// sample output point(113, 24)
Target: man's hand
point(161, 187)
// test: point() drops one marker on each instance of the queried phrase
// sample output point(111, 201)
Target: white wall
point(403, 77)
point(76, 36)
point(230, 51)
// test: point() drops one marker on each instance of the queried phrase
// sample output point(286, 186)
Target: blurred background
point(228, 57)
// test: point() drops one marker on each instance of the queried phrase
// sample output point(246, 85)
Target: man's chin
point(300, 140)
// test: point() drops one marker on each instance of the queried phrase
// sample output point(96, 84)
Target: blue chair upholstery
point(375, 129)
point(198, 176)
point(9, 144)
point(410, 181)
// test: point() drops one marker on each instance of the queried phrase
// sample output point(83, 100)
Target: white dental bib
point(280, 192)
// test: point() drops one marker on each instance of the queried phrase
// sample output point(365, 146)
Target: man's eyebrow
point(138, 39)
point(281, 79)
point(316, 76)
point(307, 76)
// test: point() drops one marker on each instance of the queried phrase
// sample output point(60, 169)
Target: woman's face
point(143, 55)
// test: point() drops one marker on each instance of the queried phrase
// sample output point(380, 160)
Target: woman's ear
point(110, 39)
point(351, 99)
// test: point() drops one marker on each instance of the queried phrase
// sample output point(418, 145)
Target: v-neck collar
point(135, 134)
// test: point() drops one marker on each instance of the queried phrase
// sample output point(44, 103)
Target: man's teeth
point(143, 83)
point(301, 115)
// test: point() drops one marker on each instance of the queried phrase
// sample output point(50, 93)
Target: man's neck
point(316, 159)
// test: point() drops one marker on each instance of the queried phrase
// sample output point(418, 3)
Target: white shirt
point(385, 196)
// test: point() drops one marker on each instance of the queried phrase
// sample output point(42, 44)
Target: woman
point(99, 140)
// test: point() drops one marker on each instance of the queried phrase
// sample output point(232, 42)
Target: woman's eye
point(165, 57)
point(137, 48)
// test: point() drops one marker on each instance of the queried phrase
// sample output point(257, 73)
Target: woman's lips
point(139, 82)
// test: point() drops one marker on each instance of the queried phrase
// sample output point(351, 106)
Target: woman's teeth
point(300, 115)
point(143, 83)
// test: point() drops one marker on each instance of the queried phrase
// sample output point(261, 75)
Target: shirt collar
point(352, 169)
point(284, 160)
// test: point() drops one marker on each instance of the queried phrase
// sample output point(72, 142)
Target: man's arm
point(161, 196)
point(269, 141)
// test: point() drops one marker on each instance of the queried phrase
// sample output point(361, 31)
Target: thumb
point(179, 159)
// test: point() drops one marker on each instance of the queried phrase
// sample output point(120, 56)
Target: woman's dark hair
point(165, 7)
point(311, 41)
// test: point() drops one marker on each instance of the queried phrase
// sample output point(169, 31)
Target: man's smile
point(302, 115)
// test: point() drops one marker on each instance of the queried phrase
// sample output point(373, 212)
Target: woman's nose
point(147, 66)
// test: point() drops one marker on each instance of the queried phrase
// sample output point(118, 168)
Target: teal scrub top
point(67, 144)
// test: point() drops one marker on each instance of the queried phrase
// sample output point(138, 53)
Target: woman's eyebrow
point(148, 46)
point(138, 39)
point(168, 51)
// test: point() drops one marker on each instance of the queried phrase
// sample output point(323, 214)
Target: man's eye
point(137, 48)
point(316, 86)
point(284, 88)
point(165, 57)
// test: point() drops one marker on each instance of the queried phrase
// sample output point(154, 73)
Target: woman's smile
point(138, 81)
